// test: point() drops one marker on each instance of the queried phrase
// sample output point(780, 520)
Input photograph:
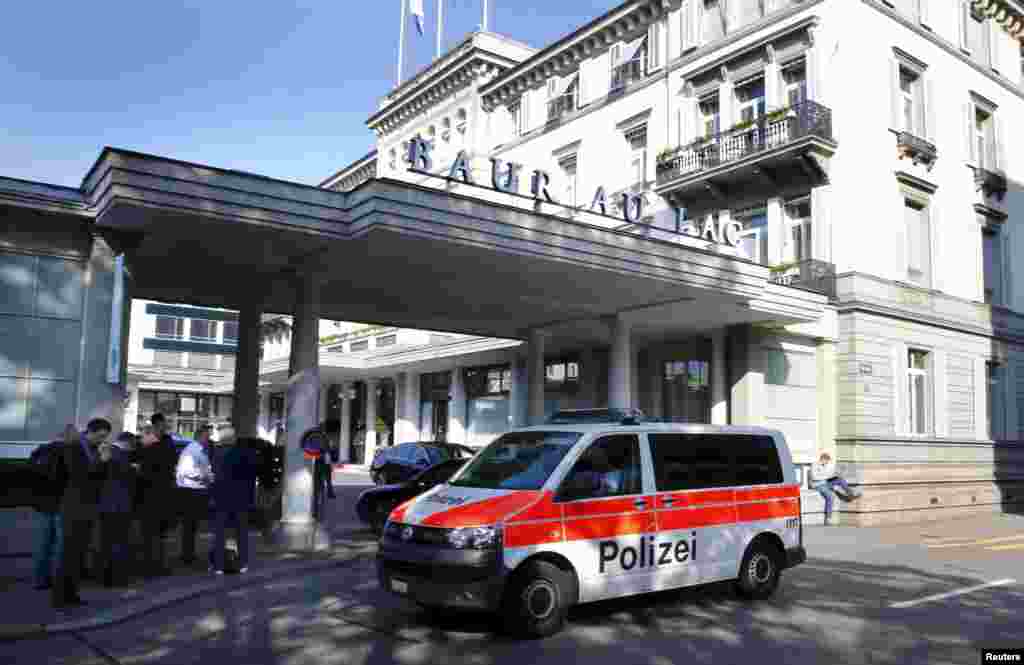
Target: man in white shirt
point(194, 475)
point(825, 479)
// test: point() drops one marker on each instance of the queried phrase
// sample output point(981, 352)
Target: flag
point(416, 7)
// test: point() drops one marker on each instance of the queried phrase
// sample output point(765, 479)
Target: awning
point(632, 49)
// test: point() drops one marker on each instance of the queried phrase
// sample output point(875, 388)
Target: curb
point(160, 601)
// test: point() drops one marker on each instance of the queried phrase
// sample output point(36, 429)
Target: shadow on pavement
point(828, 611)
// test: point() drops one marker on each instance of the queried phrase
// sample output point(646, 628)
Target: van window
point(517, 461)
point(692, 461)
point(699, 461)
point(609, 467)
point(757, 462)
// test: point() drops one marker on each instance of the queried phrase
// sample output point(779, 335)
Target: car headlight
point(478, 537)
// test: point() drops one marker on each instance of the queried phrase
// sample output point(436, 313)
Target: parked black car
point(396, 464)
point(374, 504)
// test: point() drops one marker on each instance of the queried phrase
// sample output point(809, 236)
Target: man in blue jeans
point(825, 479)
point(48, 486)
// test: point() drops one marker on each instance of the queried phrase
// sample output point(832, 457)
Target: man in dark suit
point(156, 461)
point(233, 491)
point(85, 466)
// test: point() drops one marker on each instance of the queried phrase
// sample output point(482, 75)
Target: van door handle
point(640, 503)
point(668, 501)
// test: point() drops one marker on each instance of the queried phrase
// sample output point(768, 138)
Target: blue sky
point(280, 88)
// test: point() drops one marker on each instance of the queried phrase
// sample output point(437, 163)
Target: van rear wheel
point(760, 571)
point(536, 601)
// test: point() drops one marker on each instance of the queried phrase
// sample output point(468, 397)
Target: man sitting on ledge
point(825, 479)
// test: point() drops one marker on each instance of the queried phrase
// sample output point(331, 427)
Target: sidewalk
point(26, 613)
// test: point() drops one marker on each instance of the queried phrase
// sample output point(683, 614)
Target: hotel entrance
point(686, 381)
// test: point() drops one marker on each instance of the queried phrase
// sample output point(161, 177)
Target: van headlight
point(478, 537)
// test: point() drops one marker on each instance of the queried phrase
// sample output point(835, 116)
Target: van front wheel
point(759, 571)
point(536, 601)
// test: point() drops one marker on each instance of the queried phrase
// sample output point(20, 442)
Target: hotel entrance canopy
point(401, 254)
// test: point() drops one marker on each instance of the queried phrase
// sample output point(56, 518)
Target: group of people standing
point(89, 483)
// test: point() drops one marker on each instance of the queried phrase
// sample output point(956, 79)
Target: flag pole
point(440, 25)
point(485, 16)
point(401, 45)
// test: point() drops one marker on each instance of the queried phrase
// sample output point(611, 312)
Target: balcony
point(781, 147)
point(916, 149)
point(810, 274)
point(990, 183)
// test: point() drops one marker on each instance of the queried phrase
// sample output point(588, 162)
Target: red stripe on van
point(686, 518)
point(767, 493)
point(611, 526)
point(593, 507)
point(544, 509)
point(750, 512)
point(534, 533)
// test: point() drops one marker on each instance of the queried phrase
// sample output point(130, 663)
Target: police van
point(549, 516)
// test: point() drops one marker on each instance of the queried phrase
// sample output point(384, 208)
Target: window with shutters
point(170, 327)
point(637, 139)
point(976, 35)
point(568, 165)
point(754, 236)
point(709, 116)
point(750, 100)
point(654, 45)
point(627, 63)
point(918, 392)
point(798, 245)
point(518, 114)
point(984, 137)
point(992, 262)
point(794, 82)
point(911, 101)
point(918, 241)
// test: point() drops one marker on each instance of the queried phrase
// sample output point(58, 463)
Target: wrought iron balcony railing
point(917, 149)
point(767, 132)
point(810, 274)
point(990, 182)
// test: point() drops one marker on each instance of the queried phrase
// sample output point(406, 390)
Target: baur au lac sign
point(505, 179)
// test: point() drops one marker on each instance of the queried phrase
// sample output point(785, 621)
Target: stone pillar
point(719, 396)
point(813, 60)
point(773, 93)
point(746, 396)
point(636, 360)
point(777, 236)
point(588, 379)
point(371, 421)
point(517, 394)
point(246, 408)
point(457, 408)
point(408, 427)
point(535, 377)
point(303, 408)
point(345, 440)
point(323, 402)
point(620, 365)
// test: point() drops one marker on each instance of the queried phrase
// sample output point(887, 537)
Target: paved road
point(903, 595)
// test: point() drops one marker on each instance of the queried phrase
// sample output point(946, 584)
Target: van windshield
point(517, 461)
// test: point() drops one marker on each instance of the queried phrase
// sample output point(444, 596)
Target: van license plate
point(399, 586)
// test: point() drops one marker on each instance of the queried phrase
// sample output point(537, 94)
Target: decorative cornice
point(344, 173)
point(1007, 13)
point(628, 19)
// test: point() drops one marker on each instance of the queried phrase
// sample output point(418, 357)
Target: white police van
point(549, 516)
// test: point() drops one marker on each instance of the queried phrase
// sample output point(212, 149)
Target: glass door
point(686, 384)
